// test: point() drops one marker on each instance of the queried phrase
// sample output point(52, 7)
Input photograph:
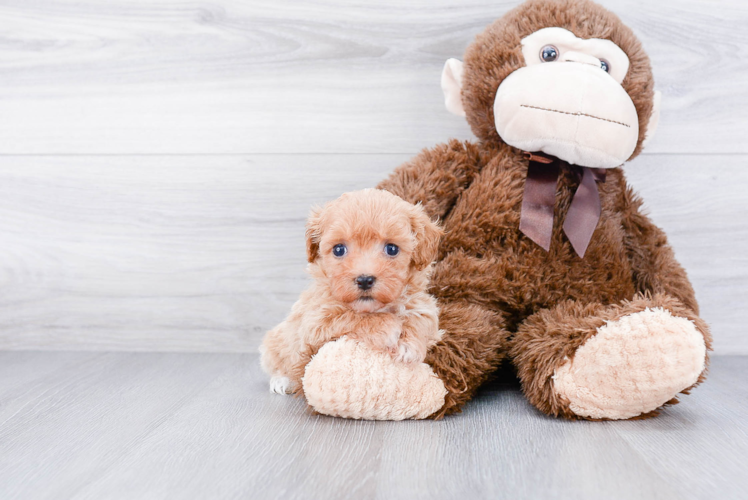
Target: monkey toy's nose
point(580, 57)
point(365, 282)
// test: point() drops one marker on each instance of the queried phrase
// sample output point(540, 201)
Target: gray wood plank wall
point(157, 157)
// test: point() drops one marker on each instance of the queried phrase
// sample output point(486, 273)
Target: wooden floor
point(176, 425)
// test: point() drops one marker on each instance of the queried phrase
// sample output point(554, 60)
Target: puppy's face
point(367, 244)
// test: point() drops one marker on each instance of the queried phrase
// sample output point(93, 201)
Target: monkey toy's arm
point(656, 271)
point(437, 176)
point(652, 259)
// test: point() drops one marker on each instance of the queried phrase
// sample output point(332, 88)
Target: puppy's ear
point(313, 233)
point(428, 234)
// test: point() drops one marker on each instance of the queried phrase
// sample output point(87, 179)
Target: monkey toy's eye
point(605, 65)
point(549, 53)
point(339, 250)
point(391, 249)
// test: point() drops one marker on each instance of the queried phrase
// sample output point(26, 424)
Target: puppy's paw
point(408, 353)
point(281, 385)
point(391, 343)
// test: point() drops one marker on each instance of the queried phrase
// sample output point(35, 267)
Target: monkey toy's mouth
point(575, 112)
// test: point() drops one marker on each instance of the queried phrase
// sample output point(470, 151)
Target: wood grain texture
point(195, 251)
point(137, 425)
point(293, 76)
point(206, 253)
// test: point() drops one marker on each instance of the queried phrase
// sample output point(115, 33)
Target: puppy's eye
point(391, 249)
point(549, 53)
point(605, 65)
point(339, 250)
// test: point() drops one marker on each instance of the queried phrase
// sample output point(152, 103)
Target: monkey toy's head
point(563, 77)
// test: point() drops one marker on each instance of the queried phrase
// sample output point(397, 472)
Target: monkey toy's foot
point(632, 366)
point(348, 379)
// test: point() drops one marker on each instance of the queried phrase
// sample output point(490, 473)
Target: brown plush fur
point(395, 315)
point(491, 281)
point(473, 345)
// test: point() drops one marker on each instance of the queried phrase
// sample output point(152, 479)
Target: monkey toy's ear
point(654, 118)
point(452, 86)
point(313, 234)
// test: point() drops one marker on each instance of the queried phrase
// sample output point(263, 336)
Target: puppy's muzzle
point(365, 282)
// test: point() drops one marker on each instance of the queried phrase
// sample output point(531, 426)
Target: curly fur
point(396, 316)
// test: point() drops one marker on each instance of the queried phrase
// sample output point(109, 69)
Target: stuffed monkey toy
point(548, 261)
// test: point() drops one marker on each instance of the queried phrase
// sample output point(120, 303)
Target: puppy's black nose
point(365, 282)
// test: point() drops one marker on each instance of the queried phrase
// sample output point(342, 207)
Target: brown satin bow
point(539, 198)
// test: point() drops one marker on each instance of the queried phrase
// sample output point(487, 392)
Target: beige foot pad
point(347, 379)
point(632, 366)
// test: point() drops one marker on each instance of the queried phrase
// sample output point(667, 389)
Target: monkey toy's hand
point(349, 379)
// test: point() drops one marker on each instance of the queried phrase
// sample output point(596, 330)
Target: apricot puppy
point(370, 255)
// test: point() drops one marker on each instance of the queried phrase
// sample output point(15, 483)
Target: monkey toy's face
point(565, 98)
point(568, 101)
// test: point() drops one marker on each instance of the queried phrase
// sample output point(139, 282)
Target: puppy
point(370, 255)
